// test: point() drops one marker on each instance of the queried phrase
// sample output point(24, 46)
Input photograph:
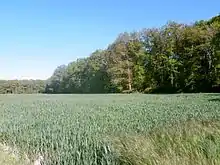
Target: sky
point(36, 36)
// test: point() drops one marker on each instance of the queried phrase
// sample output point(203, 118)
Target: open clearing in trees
point(111, 129)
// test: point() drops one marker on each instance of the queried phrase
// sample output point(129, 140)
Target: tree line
point(22, 86)
point(173, 58)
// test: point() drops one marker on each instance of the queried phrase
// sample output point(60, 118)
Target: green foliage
point(22, 86)
point(82, 129)
point(173, 58)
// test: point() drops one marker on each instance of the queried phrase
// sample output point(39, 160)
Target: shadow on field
point(215, 100)
point(216, 97)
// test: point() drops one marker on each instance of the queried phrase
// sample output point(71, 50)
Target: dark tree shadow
point(215, 99)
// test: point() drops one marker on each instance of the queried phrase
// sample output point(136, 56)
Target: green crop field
point(112, 129)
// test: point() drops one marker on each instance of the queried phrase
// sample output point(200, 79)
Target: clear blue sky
point(38, 35)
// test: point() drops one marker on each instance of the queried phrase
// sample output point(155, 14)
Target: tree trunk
point(129, 77)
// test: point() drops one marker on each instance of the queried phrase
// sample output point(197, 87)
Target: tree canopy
point(173, 58)
point(22, 86)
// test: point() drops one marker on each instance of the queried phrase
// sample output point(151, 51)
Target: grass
point(9, 157)
point(193, 142)
point(113, 129)
point(6, 159)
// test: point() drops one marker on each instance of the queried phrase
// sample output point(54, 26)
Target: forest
point(22, 86)
point(171, 59)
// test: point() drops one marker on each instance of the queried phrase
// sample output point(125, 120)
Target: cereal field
point(112, 129)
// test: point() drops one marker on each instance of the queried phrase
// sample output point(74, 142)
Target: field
point(111, 129)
